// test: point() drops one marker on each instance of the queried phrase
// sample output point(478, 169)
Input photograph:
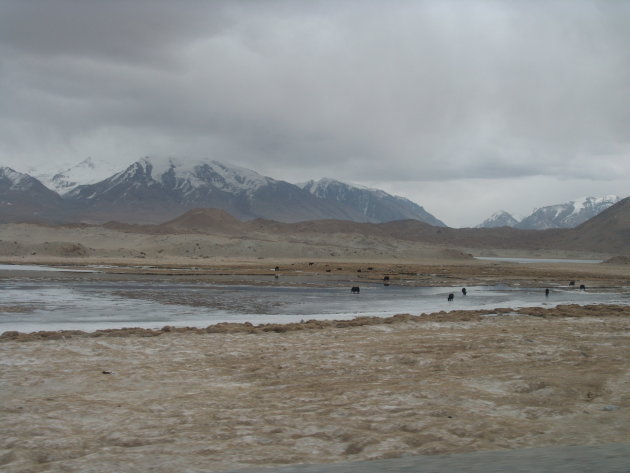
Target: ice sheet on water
point(539, 260)
point(90, 305)
point(35, 267)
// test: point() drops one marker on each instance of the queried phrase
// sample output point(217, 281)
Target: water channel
point(88, 304)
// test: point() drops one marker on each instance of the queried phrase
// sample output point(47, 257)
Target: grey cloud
point(142, 31)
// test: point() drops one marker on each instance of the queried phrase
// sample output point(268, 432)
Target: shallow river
point(91, 304)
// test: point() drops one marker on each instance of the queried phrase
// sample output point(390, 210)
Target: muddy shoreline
point(436, 272)
point(568, 310)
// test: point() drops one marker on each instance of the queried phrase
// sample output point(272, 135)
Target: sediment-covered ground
point(212, 400)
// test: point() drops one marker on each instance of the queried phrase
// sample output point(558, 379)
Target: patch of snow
point(320, 186)
point(497, 215)
point(580, 204)
point(18, 180)
point(159, 166)
point(193, 174)
point(593, 203)
point(239, 177)
point(497, 219)
point(559, 209)
point(88, 171)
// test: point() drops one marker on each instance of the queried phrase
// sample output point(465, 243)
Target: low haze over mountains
point(155, 190)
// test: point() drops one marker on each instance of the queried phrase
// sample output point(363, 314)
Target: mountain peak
point(23, 197)
point(87, 171)
point(194, 174)
point(585, 203)
point(14, 179)
point(374, 204)
point(156, 188)
point(498, 219)
point(321, 186)
point(569, 214)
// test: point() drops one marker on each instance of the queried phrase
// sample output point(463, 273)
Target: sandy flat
point(216, 401)
point(30, 242)
point(37, 241)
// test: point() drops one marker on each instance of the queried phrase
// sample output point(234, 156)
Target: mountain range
point(88, 171)
point(499, 219)
point(567, 215)
point(154, 190)
point(23, 197)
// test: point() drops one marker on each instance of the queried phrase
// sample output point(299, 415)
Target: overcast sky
point(465, 107)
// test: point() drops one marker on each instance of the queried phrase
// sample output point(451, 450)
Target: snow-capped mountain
point(88, 171)
point(568, 215)
point(606, 232)
point(22, 197)
point(16, 181)
point(498, 219)
point(190, 181)
point(154, 190)
point(375, 205)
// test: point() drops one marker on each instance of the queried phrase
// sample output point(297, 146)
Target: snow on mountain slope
point(567, 215)
point(11, 179)
point(23, 197)
point(374, 204)
point(327, 187)
point(198, 174)
point(88, 171)
point(184, 177)
point(155, 189)
point(589, 204)
point(499, 219)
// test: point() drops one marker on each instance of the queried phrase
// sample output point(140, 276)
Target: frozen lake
point(39, 267)
point(539, 260)
point(90, 304)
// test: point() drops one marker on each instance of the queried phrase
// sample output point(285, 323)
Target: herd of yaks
point(451, 296)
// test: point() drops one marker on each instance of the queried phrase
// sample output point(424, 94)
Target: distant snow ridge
point(327, 187)
point(360, 197)
point(155, 189)
point(374, 204)
point(499, 219)
point(186, 178)
point(23, 197)
point(187, 175)
point(594, 203)
point(15, 180)
point(568, 215)
point(88, 171)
